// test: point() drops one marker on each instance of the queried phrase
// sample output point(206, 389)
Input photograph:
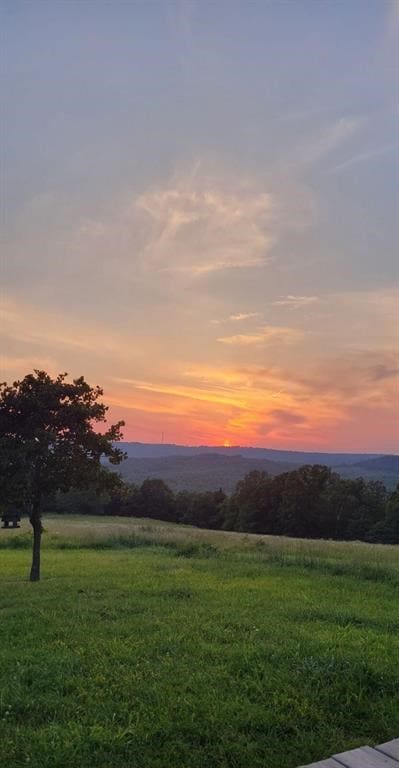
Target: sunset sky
point(200, 213)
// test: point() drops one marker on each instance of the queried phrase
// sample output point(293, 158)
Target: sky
point(199, 212)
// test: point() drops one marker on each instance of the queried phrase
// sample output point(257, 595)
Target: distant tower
point(162, 438)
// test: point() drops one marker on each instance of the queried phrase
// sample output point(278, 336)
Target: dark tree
point(387, 530)
point(133, 506)
point(124, 501)
point(157, 500)
point(252, 501)
point(182, 505)
point(48, 443)
point(201, 509)
point(303, 504)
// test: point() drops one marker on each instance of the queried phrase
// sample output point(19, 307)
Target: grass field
point(149, 645)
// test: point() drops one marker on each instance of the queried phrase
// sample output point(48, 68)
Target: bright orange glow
point(271, 398)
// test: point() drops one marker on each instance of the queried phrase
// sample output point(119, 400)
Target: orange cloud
point(285, 394)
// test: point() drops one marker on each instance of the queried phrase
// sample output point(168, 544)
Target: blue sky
point(199, 211)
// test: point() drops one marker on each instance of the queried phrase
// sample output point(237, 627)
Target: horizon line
point(259, 448)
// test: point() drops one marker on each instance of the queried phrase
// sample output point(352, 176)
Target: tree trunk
point(36, 523)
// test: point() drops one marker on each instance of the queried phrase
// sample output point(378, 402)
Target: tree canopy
point(48, 443)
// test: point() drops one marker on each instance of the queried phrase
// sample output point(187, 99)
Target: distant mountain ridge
point(157, 450)
point(208, 468)
point(384, 463)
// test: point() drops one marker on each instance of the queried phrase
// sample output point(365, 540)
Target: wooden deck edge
point(382, 756)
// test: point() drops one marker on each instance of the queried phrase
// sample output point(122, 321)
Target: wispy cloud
point(383, 371)
point(238, 317)
point(313, 408)
point(243, 316)
point(23, 323)
point(192, 224)
point(287, 416)
point(364, 157)
point(198, 224)
point(296, 302)
point(39, 329)
point(333, 136)
point(268, 334)
point(181, 391)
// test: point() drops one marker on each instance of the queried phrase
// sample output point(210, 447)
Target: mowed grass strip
point(155, 646)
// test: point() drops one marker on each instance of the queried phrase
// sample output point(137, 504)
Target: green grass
point(148, 645)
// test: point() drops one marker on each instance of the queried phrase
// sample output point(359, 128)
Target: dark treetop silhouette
point(48, 443)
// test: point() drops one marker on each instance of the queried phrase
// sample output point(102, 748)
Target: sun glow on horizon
point(217, 252)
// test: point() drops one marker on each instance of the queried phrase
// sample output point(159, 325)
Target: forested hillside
point(203, 472)
point(207, 471)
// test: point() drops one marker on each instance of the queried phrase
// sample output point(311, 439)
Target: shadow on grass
point(334, 568)
point(342, 619)
point(130, 541)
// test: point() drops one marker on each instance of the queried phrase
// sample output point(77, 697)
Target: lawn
point(151, 645)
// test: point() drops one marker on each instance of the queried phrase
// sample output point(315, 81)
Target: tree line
point(309, 502)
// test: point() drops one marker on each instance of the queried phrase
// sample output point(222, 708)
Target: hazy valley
point(206, 468)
